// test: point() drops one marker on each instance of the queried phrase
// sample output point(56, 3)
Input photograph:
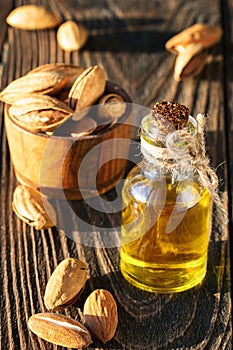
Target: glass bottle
point(166, 215)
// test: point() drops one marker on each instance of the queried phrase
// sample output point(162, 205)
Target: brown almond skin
point(60, 330)
point(100, 314)
point(65, 284)
point(190, 63)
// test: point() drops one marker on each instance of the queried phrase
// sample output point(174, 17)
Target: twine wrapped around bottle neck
point(183, 152)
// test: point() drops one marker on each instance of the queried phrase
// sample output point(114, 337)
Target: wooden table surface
point(127, 38)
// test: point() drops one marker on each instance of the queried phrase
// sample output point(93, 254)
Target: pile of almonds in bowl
point(50, 94)
point(68, 101)
point(100, 316)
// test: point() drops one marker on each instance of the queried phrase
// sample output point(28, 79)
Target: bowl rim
point(110, 88)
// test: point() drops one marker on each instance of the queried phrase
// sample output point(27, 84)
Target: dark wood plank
point(5, 7)
point(127, 38)
point(227, 10)
point(4, 47)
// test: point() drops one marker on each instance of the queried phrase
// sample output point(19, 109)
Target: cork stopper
point(169, 116)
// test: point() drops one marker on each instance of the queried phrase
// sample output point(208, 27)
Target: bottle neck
point(167, 151)
point(156, 171)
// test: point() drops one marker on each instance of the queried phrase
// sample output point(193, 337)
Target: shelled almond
point(64, 287)
point(100, 313)
point(65, 284)
point(60, 330)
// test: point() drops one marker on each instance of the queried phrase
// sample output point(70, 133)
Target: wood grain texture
point(127, 38)
point(227, 10)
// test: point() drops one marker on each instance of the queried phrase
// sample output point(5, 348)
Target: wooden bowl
point(51, 164)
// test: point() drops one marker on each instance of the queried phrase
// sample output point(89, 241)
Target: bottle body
point(165, 230)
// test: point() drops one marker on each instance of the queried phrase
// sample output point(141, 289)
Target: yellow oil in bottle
point(165, 229)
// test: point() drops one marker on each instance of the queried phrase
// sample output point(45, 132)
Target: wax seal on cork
point(169, 116)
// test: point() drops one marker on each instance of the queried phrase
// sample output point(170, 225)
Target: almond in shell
point(70, 71)
point(29, 207)
point(87, 88)
point(71, 36)
point(39, 82)
point(190, 63)
point(32, 17)
point(205, 35)
point(111, 107)
point(100, 313)
point(65, 284)
point(39, 113)
point(60, 330)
